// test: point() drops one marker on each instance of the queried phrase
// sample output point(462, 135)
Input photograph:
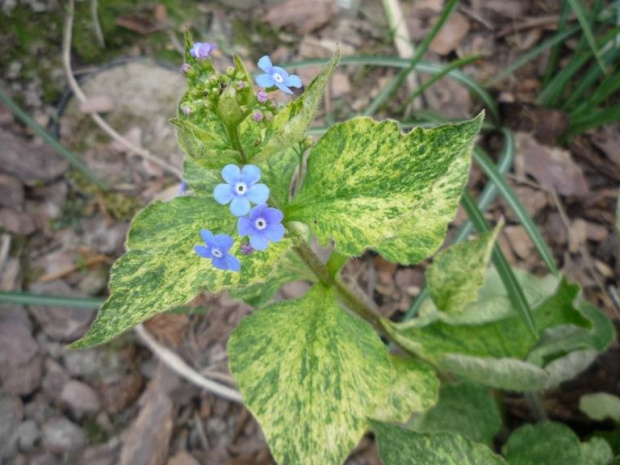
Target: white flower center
point(260, 224)
point(278, 77)
point(217, 253)
point(241, 188)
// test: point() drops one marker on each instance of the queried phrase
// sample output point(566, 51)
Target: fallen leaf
point(552, 167)
point(450, 35)
point(303, 15)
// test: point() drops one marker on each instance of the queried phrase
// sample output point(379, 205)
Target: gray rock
point(28, 162)
point(94, 282)
point(11, 192)
point(103, 237)
point(27, 435)
point(62, 436)
point(61, 323)
point(54, 379)
point(17, 346)
point(45, 459)
point(15, 314)
point(17, 222)
point(80, 397)
point(103, 454)
point(83, 363)
point(21, 379)
point(11, 414)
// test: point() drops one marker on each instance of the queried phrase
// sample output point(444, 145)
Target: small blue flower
point(241, 189)
point(263, 226)
point(216, 249)
point(202, 50)
point(183, 188)
point(276, 76)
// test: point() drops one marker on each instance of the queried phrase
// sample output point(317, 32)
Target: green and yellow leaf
point(311, 374)
point(400, 446)
point(161, 270)
point(368, 186)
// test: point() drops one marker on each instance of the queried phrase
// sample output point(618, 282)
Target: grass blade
point(423, 67)
point(513, 201)
point(593, 120)
point(504, 270)
point(24, 298)
point(47, 137)
point(456, 64)
point(554, 56)
point(388, 90)
point(577, 7)
point(533, 53)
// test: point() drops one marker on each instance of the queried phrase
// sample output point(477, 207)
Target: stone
point(17, 222)
point(62, 436)
point(11, 414)
point(54, 379)
point(21, 379)
point(15, 314)
point(80, 397)
point(103, 454)
point(17, 346)
point(11, 192)
point(45, 459)
point(83, 363)
point(61, 323)
point(99, 235)
point(450, 35)
point(27, 435)
point(183, 458)
point(30, 163)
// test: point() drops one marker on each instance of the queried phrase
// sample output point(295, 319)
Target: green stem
point(236, 141)
point(348, 298)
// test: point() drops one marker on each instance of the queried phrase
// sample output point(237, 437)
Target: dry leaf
point(303, 15)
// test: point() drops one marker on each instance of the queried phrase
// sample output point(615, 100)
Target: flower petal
point(232, 263)
point(223, 242)
point(223, 193)
point(258, 193)
point(245, 226)
point(281, 71)
point(259, 241)
point(265, 80)
point(265, 64)
point(231, 174)
point(293, 81)
point(274, 232)
point(250, 174)
point(273, 215)
point(240, 206)
point(206, 236)
point(202, 251)
point(283, 88)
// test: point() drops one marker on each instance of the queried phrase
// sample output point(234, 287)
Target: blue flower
point(276, 76)
point(263, 226)
point(216, 249)
point(241, 189)
point(202, 50)
point(183, 188)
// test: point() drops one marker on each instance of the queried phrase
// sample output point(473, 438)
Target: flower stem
point(348, 298)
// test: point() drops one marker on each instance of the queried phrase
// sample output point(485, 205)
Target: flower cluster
point(261, 223)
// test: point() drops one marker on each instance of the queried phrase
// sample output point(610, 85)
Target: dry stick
point(64, 272)
point(402, 41)
point(178, 365)
point(98, 31)
point(66, 60)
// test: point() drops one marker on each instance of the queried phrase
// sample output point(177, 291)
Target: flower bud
point(257, 116)
point(262, 96)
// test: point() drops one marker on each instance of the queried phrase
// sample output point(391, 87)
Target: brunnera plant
point(314, 371)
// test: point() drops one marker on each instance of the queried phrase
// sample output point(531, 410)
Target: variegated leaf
point(370, 187)
point(311, 373)
point(554, 444)
point(600, 406)
point(161, 270)
point(503, 354)
point(399, 446)
point(463, 408)
point(458, 272)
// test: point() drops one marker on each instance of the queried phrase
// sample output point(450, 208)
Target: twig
point(178, 365)
point(64, 272)
point(66, 60)
point(402, 41)
point(201, 431)
point(98, 31)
